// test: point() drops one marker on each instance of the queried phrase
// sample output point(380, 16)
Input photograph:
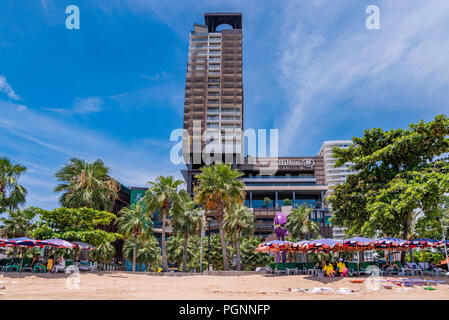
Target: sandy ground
point(125, 285)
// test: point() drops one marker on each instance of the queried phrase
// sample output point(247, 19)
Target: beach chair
point(291, 268)
point(93, 266)
point(280, 268)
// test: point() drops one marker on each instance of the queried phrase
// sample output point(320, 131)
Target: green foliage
point(397, 172)
point(86, 185)
point(75, 224)
point(430, 225)
point(18, 224)
point(216, 254)
point(218, 190)
point(159, 197)
point(266, 202)
point(287, 202)
point(103, 252)
point(240, 220)
point(418, 256)
point(12, 194)
point(299, 223)
point(133, 222)
point(251, 259)
point(148, 251)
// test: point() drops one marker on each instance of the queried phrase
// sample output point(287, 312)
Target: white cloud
point(81, 106)
point(132, 163)
point(5, 87)
point(324, 59)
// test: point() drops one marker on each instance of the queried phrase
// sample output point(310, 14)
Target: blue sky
point(114, 89)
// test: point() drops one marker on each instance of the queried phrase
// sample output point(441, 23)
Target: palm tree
point(159, 197)
point(18, 224)
point(299, 223)
point(237, 221)
point(148, 250)
point(186, 220)
point(12, 194)
point(86, 185)
point(103, 253)
point(134, 224)
point(218, 189)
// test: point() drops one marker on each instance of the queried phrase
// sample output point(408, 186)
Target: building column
point(276, 199)
point(322, 200)
point(294, 198)
point(250, 199)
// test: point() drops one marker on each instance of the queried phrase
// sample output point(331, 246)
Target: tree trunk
point(238, 252)
point(223, 244)
point(164, 246)
point(405, 235)
point(134, 253)
point(14, 253)
point(184, 253)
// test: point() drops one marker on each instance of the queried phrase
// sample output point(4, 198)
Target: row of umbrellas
point(351, 244)
point(54, 243)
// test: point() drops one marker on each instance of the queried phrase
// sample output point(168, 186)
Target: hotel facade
point(214, 102)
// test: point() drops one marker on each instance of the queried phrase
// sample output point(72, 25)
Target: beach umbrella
point(278, 245)
point(59, 243)
point(4, 242)
point(357, 244)
point(440, 244)
point(82, 245)
point(388, 243)
point(78, 245)
point(26, 242)
point(322, 244)
point(420, 243)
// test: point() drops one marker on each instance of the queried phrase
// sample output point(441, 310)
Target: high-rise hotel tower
point(214, 91)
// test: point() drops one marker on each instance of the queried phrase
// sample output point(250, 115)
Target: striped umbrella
point(387, 243)
point(59, 243)
point(440, 244)
point(420, 243)
point(4, 242)
point(26, 242)
point(82, 245)
point(300, 246)
point(356, 244)
point(322, 245)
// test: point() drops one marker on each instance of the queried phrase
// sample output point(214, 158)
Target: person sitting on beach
point(50, 263)
point(432, 264)
point(329, 269)
point(60, 265)
point(36, 260)
point(341, 268)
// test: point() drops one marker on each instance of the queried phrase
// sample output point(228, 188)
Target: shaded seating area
point(355, 245)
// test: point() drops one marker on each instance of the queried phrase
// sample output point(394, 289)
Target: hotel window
point(214, 101)
point(213, 86)
point(212, 125)
point(213, 110)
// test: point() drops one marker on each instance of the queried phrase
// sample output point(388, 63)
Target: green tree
point(216, 252)
point(133, 224)
point(186, 220)
point(237, 222)
point(86, 185)
point(103, 253)
point(75, 224)
point(148, 251)
point(396, 172)
point(159, 197)
point(175, 249)
point(18, 224)
point(266, 202)
point(12, 194)
point(251, 259)
point(218, 189)
point(299, 224)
